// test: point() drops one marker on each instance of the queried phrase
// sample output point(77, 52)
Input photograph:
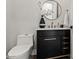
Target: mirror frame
point(50, 1)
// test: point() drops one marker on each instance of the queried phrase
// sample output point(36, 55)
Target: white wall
point(27, 16)
point(23, 17)
point(11, 25)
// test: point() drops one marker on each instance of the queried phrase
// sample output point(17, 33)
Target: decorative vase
point(66, 19)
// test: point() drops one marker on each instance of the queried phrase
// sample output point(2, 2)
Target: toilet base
point(23, 56)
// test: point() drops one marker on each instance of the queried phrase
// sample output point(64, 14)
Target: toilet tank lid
point(24, 35)
point(18, 50)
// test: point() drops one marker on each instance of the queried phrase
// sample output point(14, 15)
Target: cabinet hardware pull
point(65, 42)
point(65, 37)
point(65, 48)
point(50, 39)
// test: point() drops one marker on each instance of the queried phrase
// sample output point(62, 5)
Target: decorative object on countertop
point(66, 19)
point(42, 22)
point(52, 25)
point(71, 27)
point(48, 26)
point(58, 25)
point(61, 26)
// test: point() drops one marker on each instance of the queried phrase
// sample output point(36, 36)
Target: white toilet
point(23, 48)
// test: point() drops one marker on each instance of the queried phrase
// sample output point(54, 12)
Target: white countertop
point(52, 28)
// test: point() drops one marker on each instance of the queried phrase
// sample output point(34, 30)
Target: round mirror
point(51, 10)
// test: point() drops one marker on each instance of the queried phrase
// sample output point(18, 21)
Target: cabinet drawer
point(67, 40)
point(48, 48)
point(66, 51)
point(45, 33)
point(65, 57)
point(66, 33)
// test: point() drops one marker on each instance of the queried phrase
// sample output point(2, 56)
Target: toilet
point(23, 48)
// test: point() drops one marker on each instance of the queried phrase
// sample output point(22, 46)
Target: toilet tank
point(25, 39)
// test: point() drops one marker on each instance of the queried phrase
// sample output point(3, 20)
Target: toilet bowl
point(23, 48)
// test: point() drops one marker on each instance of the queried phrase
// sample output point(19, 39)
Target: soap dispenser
point(42, 22)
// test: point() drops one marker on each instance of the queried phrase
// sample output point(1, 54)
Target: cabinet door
point(48, 44)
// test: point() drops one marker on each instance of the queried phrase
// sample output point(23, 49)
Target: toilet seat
point(18, 50)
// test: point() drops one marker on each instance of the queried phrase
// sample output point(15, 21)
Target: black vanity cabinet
point(51, 43)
